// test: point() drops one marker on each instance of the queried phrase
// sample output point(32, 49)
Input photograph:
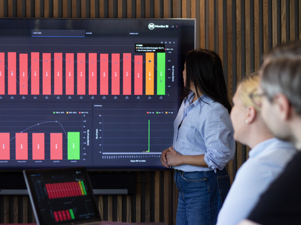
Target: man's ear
point(251, 114)
point(284, 106)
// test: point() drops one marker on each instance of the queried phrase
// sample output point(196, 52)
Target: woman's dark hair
point(204, 70)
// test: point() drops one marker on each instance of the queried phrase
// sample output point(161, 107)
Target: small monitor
point(61, 196)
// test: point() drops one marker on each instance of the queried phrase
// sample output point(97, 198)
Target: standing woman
point(203, 141)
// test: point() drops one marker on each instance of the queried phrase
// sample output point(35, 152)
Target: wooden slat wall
point(241, 31)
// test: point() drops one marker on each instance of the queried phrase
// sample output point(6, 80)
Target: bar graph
point(44, 135)
point(80, 73)
point(65, 189)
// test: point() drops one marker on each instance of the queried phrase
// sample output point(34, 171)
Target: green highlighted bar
point(148, 136)
point(161, 73)
point(73, 145)
point(83, 186)
point(71, 214)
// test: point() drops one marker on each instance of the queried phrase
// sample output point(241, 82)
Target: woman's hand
point(163, 158)
point(173, 158)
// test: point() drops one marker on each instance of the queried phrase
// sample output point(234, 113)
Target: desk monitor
point(61, 196)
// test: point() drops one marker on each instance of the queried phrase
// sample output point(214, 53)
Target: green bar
point(84, 189)
point(71, 214)
point(73, 145)
point(161, 73)
point(148, 136)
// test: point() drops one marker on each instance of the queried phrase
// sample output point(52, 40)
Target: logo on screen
point(151, 26)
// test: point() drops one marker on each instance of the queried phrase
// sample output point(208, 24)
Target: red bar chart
point(21, 146)
point(23, 74)
point(38, 146)
point(69, 74)
point(81, 73)
point(2, 74)
point(92, 74)
point(12, 77)
point(35, 73)
point(58, 73)
point(56, 146)
point(104, 74)
point(45, 73)
point(4, 146)
point(65, 189)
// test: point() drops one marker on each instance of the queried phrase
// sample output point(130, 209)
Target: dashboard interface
point(99, 93)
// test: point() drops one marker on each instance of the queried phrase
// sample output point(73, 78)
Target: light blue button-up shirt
point(267, 160)
point(206, 129)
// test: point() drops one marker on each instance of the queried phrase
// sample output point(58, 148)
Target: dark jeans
point(201, 195)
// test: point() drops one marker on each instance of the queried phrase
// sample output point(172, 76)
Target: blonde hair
point(248, 85)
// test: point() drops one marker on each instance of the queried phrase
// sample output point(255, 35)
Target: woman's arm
point(173, 158)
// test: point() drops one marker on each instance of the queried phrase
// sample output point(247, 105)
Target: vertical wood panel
point(138, 8)
point(101, 9)
point(10, 8)
point(138, 198)
point(256, 34)
point(119, 208)
point(299, 19)
point(211, 25)
point(147, 197)
point(25, 209)
point(110, 208)
point(92, 8)
point(1, 8)
point(167, 9)
point(157, 9)
point(129, 215)
point(193, 9)
point(274, 23)
point(220, 35)
point(292, 20)
point(265, 26)
point(16, 210)
point(238, 67)
point(28, 8)
point(119, 9)
point(184, 8)
point(65, 8)
point(19, 8)
point(202, 24)
point(129, 8)
point(111, 9)
point(74, 9)
point(175, 9)
point(147, 8)
point(55, 8)
point(248, 36)
point(46, 8)
point(157, 196)
point(6, 209)
point(83, 9)
point(283, 21)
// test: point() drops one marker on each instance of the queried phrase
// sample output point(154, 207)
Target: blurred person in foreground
point(280, 88)
point(267, 158)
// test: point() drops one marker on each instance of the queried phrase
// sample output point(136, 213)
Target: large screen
point(98, 93)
